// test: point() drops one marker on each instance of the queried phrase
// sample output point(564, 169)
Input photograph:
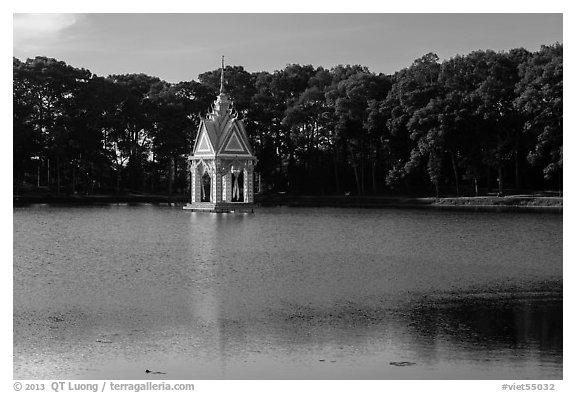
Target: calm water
point(286, 293)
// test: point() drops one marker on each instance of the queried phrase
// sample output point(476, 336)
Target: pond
point(106, 292)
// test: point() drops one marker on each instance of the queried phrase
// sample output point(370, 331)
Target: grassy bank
point(515, 200)
point(484, 202)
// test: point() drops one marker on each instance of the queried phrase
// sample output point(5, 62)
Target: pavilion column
point(194, 182)
point(223, 177)
point(212, 185)
point(227, 187)
point(248, 185)
point(217, 182)
point(251, 186)
point(218, 188)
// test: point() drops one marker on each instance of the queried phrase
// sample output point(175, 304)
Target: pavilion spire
point(222, 104)
point(222, 77)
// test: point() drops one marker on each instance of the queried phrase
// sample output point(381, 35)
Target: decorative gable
point(234, 143)
point(203, 144)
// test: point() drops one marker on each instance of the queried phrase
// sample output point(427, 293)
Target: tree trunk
point(357, 178)
point(58, 174)
point(354, 163)
point(455, 170)
point(374, 185)
point(290, 173)
point(362, 173)
point(500, 181)
point(175, 158)
point(118, 176)
point(73, 178)
point(435, 170)
point(171, 176)
point(336, 173)
point(517, 162)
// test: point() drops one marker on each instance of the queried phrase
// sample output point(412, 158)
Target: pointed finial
point(222, 77)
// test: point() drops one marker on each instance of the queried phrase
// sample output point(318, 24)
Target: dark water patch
point(491, 322)
point(473, 327)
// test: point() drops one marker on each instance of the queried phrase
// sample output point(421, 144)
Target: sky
point(178, 47)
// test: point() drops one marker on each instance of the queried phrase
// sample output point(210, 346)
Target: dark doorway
point(205, 188)
point(238, 186)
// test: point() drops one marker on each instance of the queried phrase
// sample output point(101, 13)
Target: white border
point(303, 6)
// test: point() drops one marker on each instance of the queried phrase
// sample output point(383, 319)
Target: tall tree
point(413, 89)
point(539, 98)
point(496, 97)
point(176, 112)
point(351, 98)
point(49, 89)
point(131, 130)
point(310, 132)
point(27, 136)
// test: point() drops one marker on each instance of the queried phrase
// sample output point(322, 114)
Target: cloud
point(35, 31)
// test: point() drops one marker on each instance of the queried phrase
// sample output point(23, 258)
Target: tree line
point(483, 122)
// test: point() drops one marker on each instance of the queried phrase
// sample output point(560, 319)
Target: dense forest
point(484, 122)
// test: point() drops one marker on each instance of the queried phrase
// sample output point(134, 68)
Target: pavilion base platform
point(221, 207)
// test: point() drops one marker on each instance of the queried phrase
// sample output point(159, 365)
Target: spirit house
point(222, 161)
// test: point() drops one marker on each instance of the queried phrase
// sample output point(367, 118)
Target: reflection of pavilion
point(222, 162)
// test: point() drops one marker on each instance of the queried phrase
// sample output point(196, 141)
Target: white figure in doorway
point(235, 186)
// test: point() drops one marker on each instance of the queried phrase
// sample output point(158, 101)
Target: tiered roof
point(221, 133)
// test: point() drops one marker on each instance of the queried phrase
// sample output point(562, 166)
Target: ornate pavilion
point(222, 161)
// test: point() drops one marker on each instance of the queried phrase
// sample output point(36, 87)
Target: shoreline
point(30, 199)
point(487, 203)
